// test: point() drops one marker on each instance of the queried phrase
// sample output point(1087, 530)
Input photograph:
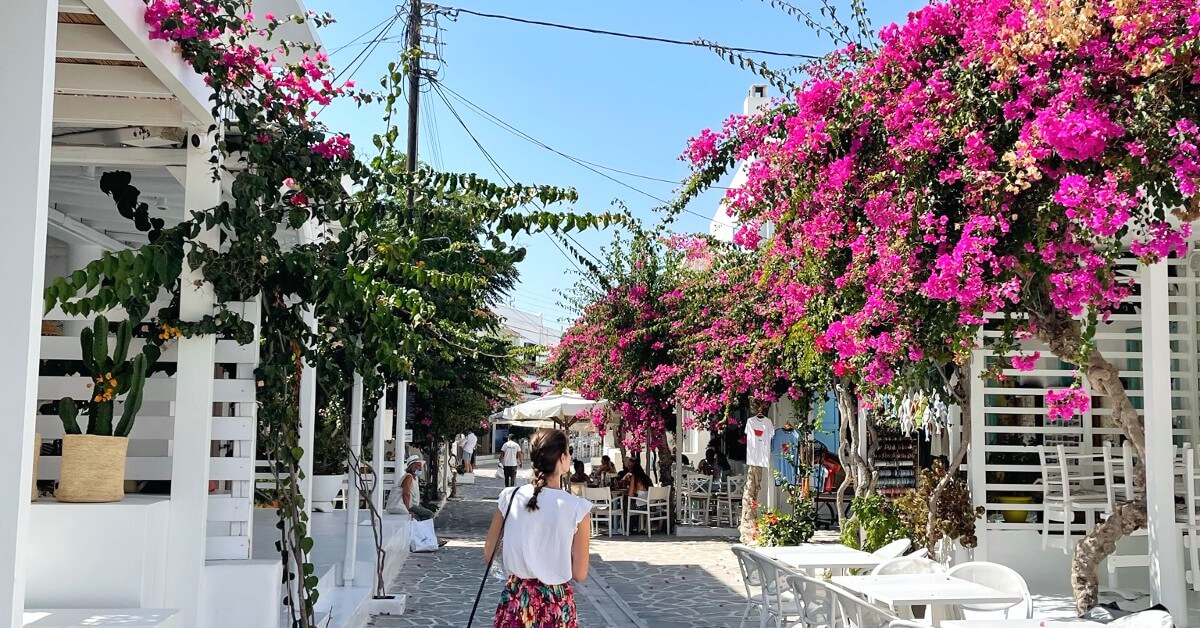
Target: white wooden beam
point(1166, 547)
point(27, 35)
point(356, 424)
point(91, 41)
point(193, 408)
point(99, 111)
point(77, 233)
point(117, 156)
point(73, 6)
point(126, 19)
point(108, 80)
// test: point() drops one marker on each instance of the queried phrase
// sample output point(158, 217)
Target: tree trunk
point(859, 471)
point(961, 393)
point(1063, 334)
point(750, 502)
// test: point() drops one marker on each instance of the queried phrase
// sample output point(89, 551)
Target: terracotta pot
point(93, 468)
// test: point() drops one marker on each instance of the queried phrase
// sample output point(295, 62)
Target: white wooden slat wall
point(231, 474)
point(1009, 417)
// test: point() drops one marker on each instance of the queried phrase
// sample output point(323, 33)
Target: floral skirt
point(533, 604)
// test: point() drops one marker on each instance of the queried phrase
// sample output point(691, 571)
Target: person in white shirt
point(511, 457)
point(546, 533)
point(468, 450)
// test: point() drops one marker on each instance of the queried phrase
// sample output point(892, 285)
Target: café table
point(938, 591)
point(814, 556)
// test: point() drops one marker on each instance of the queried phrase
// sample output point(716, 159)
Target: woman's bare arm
point(493, 537)
point(580, 549)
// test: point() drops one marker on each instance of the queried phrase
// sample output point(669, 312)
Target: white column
point(79, 256)
point(377, 453)
point(1166, 551)
point(356, 421)
point(680, 414)
point(401, 425)
point(191, 442)
point(976, 455)
point(308, 422)
point(27, 43)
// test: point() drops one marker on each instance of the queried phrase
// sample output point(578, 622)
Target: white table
point(1069, 622)
point(831, 556)
point(937, 590)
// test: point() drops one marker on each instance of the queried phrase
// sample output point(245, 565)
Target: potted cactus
point(93, 462)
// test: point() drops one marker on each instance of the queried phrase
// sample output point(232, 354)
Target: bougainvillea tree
point(989, 159)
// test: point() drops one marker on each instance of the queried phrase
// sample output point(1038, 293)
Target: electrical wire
point(587, 165)
point(495, 165)
point(597, 31)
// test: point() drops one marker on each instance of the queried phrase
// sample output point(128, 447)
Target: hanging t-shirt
point(759, 431)
point(785, 456)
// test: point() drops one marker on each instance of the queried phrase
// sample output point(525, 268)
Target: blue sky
point(625, 104)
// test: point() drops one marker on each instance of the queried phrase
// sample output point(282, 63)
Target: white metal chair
point(604, 509)
point(698, 495)
point(918, 553)
point(729, 505)
point(1118, 487)
point(1000, 578)
point(907, 565)
point(895, 549)
point(905, 623)
point(813, 600)
point(779, 601)
point(1063, 494)
point(1188, 517)
point(655, 506)
point(752, 580)
point(851, 611)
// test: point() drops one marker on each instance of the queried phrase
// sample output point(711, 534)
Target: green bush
point(776, 528)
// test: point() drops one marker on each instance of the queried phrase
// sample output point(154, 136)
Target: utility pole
point(414, 100)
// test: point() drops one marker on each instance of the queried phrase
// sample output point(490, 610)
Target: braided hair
point(546, 450)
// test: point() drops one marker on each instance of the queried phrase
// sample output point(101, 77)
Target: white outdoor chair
point(698, 496)
point(1063, 495)
point(813, 600)
point(907, 565)
point(1188, 517)
point(1000, 578)
point(851, 611)
point(752, 580)
point(604, 509)
point(918, 553)
point(729, 505)
point(779, 601)
point(655, 506)
point(895, 549)
point(904, 623)
point(1118, 486)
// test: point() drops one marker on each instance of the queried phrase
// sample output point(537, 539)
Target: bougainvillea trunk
point(1062, 333)
point(962, 396)
point(750, 503)
point(847, 446)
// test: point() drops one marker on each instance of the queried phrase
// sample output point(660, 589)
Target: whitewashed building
point(88, 91)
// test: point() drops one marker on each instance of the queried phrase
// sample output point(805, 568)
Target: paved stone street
point(633, 582)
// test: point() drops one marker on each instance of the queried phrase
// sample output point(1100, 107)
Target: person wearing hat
point(410, 488)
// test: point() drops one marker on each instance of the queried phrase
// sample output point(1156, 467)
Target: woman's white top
point(537, 545)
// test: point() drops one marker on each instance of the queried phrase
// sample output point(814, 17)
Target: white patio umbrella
point(563, 409)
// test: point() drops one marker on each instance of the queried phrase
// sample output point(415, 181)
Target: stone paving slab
point(662, 581)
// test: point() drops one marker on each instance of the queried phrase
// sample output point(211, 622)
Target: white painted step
point(84, 618)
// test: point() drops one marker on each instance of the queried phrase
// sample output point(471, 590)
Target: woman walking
point(546, 532)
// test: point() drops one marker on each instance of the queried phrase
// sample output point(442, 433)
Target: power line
point(495, 165)
point(585, 164)
point(595, 31)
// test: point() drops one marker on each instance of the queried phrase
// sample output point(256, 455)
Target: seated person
point(606, 469)
point(579, 476)
point(635, 480)
point(723, 467)
point(708, 466)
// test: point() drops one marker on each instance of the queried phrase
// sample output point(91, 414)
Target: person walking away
point(468, 450)
point(511, 458)
point(546, 533)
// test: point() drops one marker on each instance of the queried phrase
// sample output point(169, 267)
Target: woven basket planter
point(93, 468)
point(37, 458)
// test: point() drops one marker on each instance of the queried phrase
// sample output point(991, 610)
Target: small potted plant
point(329, 455)
point(93, 462)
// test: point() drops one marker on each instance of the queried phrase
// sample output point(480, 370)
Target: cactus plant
point(112, 376)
